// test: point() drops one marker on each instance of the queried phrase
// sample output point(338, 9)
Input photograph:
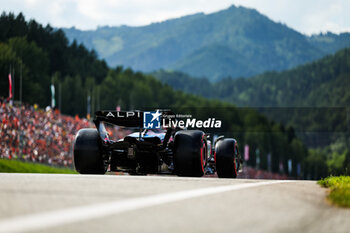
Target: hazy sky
point(307, 16)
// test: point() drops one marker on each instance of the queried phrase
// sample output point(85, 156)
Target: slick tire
point(189, 153)
point(87, 153)
point(225, 158)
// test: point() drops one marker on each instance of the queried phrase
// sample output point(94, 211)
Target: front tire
point(87, 154)
point(225, 158)
point(189, 153)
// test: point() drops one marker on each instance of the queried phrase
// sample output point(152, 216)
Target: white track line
point(54, 218)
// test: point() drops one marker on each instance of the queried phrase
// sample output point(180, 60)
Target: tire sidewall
point(189, 152)
point(87, 152)
point(226, 158)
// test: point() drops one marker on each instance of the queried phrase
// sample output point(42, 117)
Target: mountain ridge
point(258, 44)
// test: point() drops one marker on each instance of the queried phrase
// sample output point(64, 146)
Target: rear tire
point(225, 158)
point(189, 153)
point(87, 154)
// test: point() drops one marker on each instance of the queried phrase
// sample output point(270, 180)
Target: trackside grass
point(26, 167)
point(340, 189)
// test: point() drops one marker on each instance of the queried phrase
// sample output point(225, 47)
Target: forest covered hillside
point(322, 83)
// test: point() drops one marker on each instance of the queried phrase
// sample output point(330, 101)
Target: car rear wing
point(131, 119)
point(120, 118)
point(126, 118)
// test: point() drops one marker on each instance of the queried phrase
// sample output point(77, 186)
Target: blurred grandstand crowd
point(32, 134)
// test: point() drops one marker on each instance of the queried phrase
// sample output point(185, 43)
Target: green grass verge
point(340, 189)
point(26, 167)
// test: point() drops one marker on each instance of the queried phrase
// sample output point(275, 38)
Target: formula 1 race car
point(152, 149)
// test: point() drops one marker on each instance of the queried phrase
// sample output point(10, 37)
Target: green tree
point(8, 59)
point(346, 165)
point(37, 80)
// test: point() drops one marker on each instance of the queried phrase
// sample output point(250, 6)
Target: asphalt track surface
point(83, 203)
